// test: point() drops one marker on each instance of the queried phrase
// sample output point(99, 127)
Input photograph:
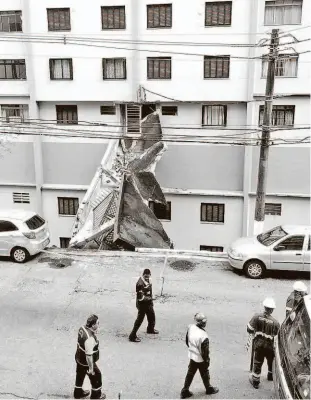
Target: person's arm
point(89, 346)
point(205, 351)
point(187, 339)
point(252, 325)
point(289, 305)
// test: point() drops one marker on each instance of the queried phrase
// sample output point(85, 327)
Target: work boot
point(135, 339)
point(154, 332)
point(212, 390)
point(270, 376)
point(185, 394)
point(84, 394)
point(255, 384)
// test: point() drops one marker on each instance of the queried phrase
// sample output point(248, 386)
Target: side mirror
point(279, 248)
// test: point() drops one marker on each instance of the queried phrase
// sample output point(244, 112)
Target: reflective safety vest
point(264, 328)
point(84, 334)
point(196, 337)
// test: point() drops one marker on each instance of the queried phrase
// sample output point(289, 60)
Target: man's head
point(200, 320)
point(147, 274)
point(269, 305)
point(92, 322)
point(300, 289)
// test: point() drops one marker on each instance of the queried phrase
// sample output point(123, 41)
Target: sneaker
point(185, 394)
point(154, 332)
point(84, 394)
point(212, 390)
point(135, 339)
point(254, 384)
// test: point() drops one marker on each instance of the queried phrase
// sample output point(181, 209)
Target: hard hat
point(300, 286)
point(200, 317)
point(269, 302)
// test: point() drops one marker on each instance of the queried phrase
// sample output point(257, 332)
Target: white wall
point(6, 198)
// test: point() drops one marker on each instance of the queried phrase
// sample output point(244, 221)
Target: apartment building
point(71, 72)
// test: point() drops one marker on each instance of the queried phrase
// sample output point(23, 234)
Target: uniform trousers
point(192, 369)
point(260, 353)
point(96, 381)
point(144, 310)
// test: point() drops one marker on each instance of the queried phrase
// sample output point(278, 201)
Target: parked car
point(22, 234)
point(285, 247)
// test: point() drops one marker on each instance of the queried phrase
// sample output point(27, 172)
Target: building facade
point(75, 75)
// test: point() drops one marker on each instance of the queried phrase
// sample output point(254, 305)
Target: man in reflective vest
point(198, 353)
point(144, 305)
point(300, 290)
point(87, 355)
point(264, 328)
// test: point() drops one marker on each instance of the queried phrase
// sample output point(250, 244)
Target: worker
point(199, 355)
point(144, 305)
point(87, 355)
point(264, 328)
point(300, 290)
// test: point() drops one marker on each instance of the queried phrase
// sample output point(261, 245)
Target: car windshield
point(272, 236)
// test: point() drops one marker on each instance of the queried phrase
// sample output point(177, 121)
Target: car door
point(307, 255)
point(7, 232)
point(288, 254)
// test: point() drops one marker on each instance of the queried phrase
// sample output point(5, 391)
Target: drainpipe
point(135, 7)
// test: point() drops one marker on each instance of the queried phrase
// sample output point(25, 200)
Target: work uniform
point(144, 306)
point(198, 353)
point(264, 327)
point(292, 301)
point(88, 345)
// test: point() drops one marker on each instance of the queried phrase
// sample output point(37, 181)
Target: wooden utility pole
point(265, 136)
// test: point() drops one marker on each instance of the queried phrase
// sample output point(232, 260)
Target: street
point(43, 303)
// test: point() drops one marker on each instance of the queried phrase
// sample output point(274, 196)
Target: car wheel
point(254, 269)
point(19, 255)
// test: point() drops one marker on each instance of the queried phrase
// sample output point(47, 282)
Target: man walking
point(198, 352)
point(87, 355)
point(300, 290)
point(144, 304)
point(263, 327)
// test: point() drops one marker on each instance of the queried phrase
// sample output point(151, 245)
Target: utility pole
point(265, 136)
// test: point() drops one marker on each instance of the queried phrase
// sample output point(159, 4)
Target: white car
point(285, 247)
point(22, 234)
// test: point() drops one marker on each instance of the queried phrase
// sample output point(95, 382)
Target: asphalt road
point(43, 303)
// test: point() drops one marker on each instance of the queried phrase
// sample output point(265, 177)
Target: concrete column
point(135, 7)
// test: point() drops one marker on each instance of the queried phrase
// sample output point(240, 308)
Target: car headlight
point(235, 254)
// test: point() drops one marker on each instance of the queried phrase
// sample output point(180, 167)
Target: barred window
point(58, 19)
point(159, 16)
point(11, 21)
point(169, 110)
point(281, 115)
point(61, 69)
point(215, 249)
point(216, 67)
point(283, 12)
point(286, 66)
point(113, 17)
point(214, 115)
point(67, 115)
point(273, 209)
point(160, 210)
point(14, 112)
point(64, 242)
point(108, 110)
point(12, 69)
point(114, 68)
point(68, 205)
point(218, 13)
point(159, 67)
point(212, 212)
point(21, 198)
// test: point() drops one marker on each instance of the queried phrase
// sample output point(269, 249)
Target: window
point(159, 67)
point(285, 66)
point(273, 209)
point(68, 205)
point(283, 12)
point(215, 249)
point(61, 68)
point(12, 69)
point(169, 110)
point(64, 242)
point(160, 210)
point(114, 68)
point(108, 110)
point(67, 115)
point(35, 222)
point(11, 21)
point(214, 115)
point(113, 17)
point(21, 198)
point(58, 19)
point(14, 112)
point(159, 16)
point(212, 212)
point(281, 115)
point(6, 226)
point(216, 67)
point(218, 13)
point(293, 243)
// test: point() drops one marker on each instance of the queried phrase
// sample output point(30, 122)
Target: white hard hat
point(269, 302)
point(300, 286)
point(200, 317)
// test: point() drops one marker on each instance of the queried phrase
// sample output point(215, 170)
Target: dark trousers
point(192, 369)
point(96, 382)
point(142, 311)
point(260, 353)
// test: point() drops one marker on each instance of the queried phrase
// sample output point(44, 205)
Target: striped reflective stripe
point(78, 387)
point(97, 388)
point(85, 331)
point(288, 308)
point(250, 327)
point(255, 375)
point(264, 335)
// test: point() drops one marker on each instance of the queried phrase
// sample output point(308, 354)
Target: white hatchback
point(22, 234)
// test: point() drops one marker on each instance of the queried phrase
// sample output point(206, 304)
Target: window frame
point(108, 113)
point(64, 106)
point(8, 14)
point(168, 209)
point(64, 240)
point(205, 107)
point(277, 108)
point(14, 62)
point(114, 59)
point(217, 3)
point(218, 216)
point(221, 58)
point(113, 8)
point(159, 59)
point(277, 68)
point(265, 23)
point(150, 7)
point(288, 237)
point(57, 11)
point(23, 111)
point(220, 248)
point(277, 212)
point(21, 197)
point(51, 66)
point(62, 200)
point(166, 113)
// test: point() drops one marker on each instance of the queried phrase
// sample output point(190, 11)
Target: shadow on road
point(285, 275)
